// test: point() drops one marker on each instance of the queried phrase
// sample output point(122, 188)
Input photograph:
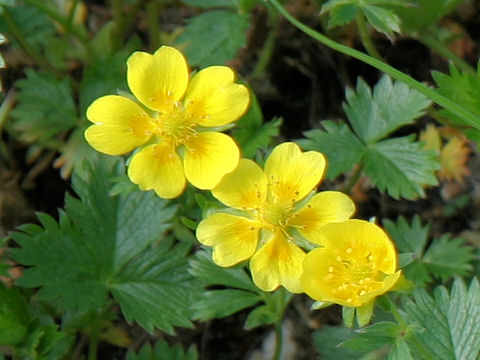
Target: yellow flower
point(356, 263)
point(267, 213)
point(172, 120)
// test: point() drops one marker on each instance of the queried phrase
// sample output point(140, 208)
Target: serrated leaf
point(383, 20)
point(400, 167)
point(216, 304)
point(341, 147)
point(449, 322)
point(252, 133)
point(214, 37)
point(213, 3)
point(104, 244)
point(375, 115)
point(447, 257)
point(163, 351)
point(45, 107)
point(460, 87)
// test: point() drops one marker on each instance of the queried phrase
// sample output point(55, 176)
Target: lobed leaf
point(400, 167)
point(105, 244)
point(374, 115)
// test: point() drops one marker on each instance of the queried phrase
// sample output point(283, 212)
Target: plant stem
point(353, 179)
point(278, 340)
point(74, 30)
point(268, 47)
point(93, 339)
point(38, 58)
point(153, 28)
point(365, 36)
point(120, 25)
point(456, 109)
point(443, 50)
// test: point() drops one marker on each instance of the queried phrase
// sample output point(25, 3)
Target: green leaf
point(213, 3)
point(375, 115)
point(45, 107)
point(214, 37)
point(163, 351)
point(375, 336)
point(221, 303)
point(216, 304)
point(108, 244)
point(447, 257)
point(431, 12)
point(400, 351)
point(341, 147)
point(400, 167)
point(14, 317)
point(329, 343)
point(408, 237)
point(252, 133)
point(460, 87)
point(380, 17)
point(449, 322)
point(444, 258)
point(270, 313)
point(7, 2)
point(111, 71)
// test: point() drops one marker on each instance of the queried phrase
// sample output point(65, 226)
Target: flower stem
point(456, 109)
point(353, 179)
point(153, 28)
point(93, 339)
point(440, 48)
point(365, 36)
point(268, 47)
point(278, 340)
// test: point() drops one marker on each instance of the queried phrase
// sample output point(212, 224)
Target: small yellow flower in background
point(172, 120)
point(356, 263)
point(267, 210)
point(453, 155)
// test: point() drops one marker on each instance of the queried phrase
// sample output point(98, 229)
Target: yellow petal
point(120, 125)
point(233, 238)
point(158, 80)
point(356, 264)
point(244, 188)
point(157, 167)
point(291, 173)
point(323, 208)
point(214, 99)
point(278, 262)
point(208, 157)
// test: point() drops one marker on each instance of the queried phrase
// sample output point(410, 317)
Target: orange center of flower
point(353, 275)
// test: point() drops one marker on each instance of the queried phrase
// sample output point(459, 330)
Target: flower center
point(273, 216)
point(176, 126)
point(354, 275)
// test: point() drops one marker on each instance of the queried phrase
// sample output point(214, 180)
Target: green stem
point(74, 30)
point(366, 39)
point(353, 179)
point(268, 47)
point(37, 57)
point(93, 340)
point(153, 26)
point(120, 25)
point(396, 74)
point(278, 340)
point(443, 50)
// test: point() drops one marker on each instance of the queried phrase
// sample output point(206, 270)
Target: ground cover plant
point(239, 179)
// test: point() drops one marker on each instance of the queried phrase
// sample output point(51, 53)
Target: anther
point(349, 250)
